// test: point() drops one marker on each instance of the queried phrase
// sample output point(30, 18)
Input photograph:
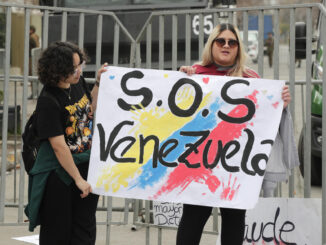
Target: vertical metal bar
point(261, 43)
point(174, 41)
point(245, 29)
point(126, 211)
point(292, 59)
point(147, 216)
point(5, 112)
point(64, 26)
point(215, 19)
point(159, 236)
point(307, 189)
point(132, 54)
point(161, 42)
point(136, 211)
point(45, 33)
point(116, 44)
point(99, 41)
point(81, 34)
point(215, 219)
point(138, 58)
point(200, 36)
point(323, 34)
point(230, 18)
point(276, 60)
point(25, 88)
point(302, 103)
point(81, 30)
point(292, 82)
point(149, 46)
point(307, 148)
point(15, 145)
point(188, 40)
point(108, 221)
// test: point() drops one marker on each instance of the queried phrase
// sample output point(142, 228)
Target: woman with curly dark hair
point(64, 121)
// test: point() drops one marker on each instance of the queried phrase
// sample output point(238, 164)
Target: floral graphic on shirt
point(79, 126)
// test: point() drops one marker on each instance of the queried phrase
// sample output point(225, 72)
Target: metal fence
point(158, 27)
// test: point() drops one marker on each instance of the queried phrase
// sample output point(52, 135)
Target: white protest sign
point(165, 136)
point(167, 214)
point(284, 221)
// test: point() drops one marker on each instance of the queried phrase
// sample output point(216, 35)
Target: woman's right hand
point(100, 71)
point(84, 187)
point(188, 69)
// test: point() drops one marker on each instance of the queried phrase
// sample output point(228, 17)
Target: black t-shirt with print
point(68, 117)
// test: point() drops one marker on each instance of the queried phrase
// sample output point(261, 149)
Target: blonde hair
point(207, 57)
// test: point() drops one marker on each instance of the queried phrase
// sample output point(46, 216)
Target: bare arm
point(65, 159)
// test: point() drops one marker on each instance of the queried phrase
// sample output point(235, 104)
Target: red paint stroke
point(213, 183)
point(279, 242)
point(206, 80)
point(228, 191)
point(276, 104)
point(182, 176)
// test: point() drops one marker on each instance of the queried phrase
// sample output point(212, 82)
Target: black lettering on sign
point(242, 101)
point(167, 214)
point(145, 92)
point(172, 96)
point(269, 232)
point(105, 151)
point(192, 147)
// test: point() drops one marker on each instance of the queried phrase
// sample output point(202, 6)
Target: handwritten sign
point(166, 136)
point(167, 214)
point(288, 221)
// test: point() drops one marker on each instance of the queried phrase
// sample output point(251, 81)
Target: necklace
point(67, 93)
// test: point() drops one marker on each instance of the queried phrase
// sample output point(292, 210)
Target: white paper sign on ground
point(166, 136)
point(34, 239)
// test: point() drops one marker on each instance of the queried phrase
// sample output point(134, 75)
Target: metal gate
point(159, 25)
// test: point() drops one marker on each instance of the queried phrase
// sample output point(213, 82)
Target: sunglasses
point(221, 42)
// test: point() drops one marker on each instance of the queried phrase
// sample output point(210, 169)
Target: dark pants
point(66, 218)
point(195, 217)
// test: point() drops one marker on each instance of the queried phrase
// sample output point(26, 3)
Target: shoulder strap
point(52, 97)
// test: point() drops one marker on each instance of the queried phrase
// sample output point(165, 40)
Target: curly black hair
point(56, 62)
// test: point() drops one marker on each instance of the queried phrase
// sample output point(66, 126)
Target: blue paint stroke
point(152, 175)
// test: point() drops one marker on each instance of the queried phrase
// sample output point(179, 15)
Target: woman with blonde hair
point(223, 55)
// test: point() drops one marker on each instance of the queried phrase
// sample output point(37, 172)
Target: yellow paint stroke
point(147, 122)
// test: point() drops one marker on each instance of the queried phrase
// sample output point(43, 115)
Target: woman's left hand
point(286, 96)
point(100, 71)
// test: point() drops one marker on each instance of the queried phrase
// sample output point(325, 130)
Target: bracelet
point(97, 83)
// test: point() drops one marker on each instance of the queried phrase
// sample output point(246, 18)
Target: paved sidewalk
point(119, 234)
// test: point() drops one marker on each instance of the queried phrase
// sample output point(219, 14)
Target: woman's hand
point(286, 96)
point(188, 69)
point(100, 71)
point(84, 187)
